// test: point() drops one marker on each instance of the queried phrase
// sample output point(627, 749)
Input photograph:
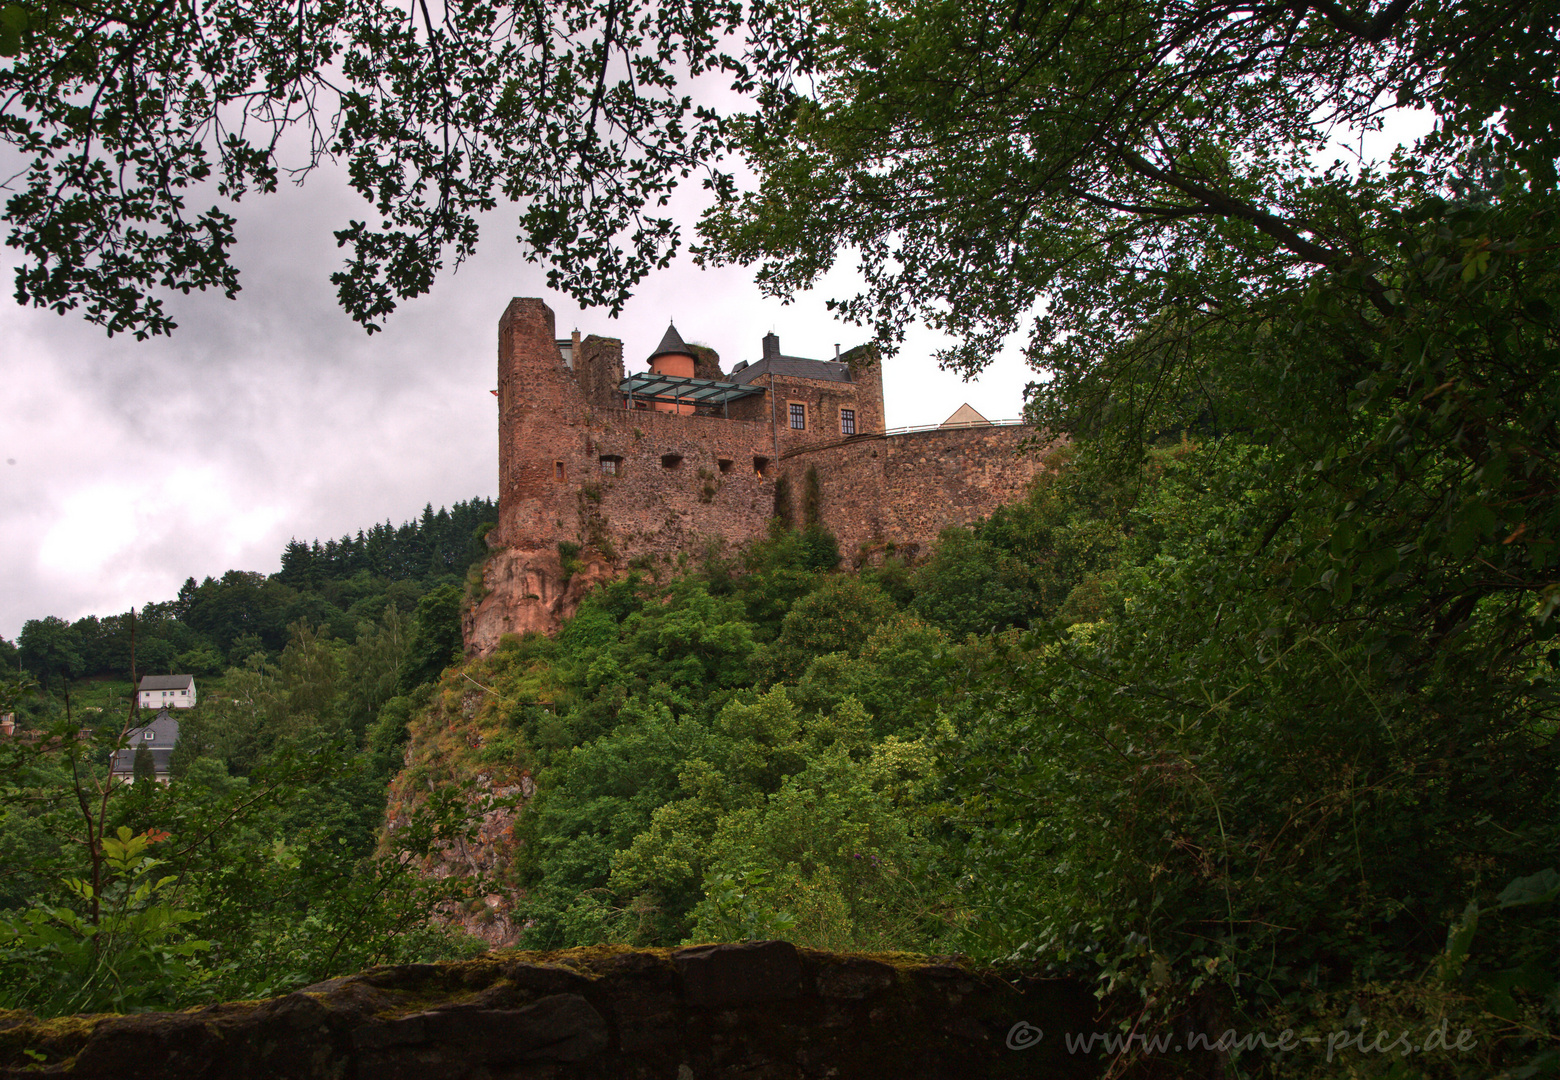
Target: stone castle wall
point(905, 488)
point(577, 467)
point(934, 479)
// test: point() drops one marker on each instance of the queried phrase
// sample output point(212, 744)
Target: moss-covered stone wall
point(761, 1011)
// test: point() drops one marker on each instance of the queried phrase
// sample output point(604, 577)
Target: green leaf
point(1458, 940)
point(13, 24)
point(1539, 888)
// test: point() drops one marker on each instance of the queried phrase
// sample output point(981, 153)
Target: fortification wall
point(850, 491)
point(574, 466)
point(654, 483)
point(577, 467)
point(955, 476)
point(906, 488)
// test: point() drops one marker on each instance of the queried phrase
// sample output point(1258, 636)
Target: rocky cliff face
point(489, 916)
point(763, 1011)
point(525, 590)
point(463, 736)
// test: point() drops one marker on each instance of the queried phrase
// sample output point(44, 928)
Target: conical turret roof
point(671, 344)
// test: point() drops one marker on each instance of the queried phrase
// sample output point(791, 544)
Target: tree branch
point(1373, 30)
point(1229, 206)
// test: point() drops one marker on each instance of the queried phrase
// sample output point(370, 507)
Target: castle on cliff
point(627, 470)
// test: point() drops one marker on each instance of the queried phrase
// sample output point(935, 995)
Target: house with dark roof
point(160, 737)
point(167, 692)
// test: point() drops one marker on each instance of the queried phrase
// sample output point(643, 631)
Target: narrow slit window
point(847, 421)
point(558, 471)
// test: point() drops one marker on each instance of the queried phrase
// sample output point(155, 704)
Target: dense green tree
point(371, 667)
point(780, 570)
point(1173, 796)
point(275, 810)
point(834, 853)
point(1116, 160)
point(837, 616)
point(144, 769)
point(241, 603)
point(261, 884)
point(597, 797)
point(1310, 668)
point(968, 586)
point(435, 639)
point(901, 677)
point(437, 117)
point(694, 641)
point(51, 650)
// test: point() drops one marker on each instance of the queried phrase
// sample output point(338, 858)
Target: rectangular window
point(609, 466)
point(558, 471)
point(847, 421)
point(798, 416)
point(724, 464)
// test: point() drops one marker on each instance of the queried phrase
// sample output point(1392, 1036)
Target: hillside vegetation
point(1118, 729)
point(252, 873)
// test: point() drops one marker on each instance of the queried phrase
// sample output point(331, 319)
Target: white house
point(160, 737)
point(167, 691)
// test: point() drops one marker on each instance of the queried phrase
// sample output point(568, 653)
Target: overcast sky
point(129, 466)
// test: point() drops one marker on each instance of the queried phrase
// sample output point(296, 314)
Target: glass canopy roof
point(647, 386)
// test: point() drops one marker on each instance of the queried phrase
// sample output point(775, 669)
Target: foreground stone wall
point(759, 1011)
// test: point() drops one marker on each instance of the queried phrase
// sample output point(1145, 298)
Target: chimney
point(771, 346)
point(836, 352)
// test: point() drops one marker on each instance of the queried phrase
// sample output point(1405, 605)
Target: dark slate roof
point(166, 682)
point(164, 729)
point(671, 344)
point(794, 366)
point(165, 735)
point(124, 762)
